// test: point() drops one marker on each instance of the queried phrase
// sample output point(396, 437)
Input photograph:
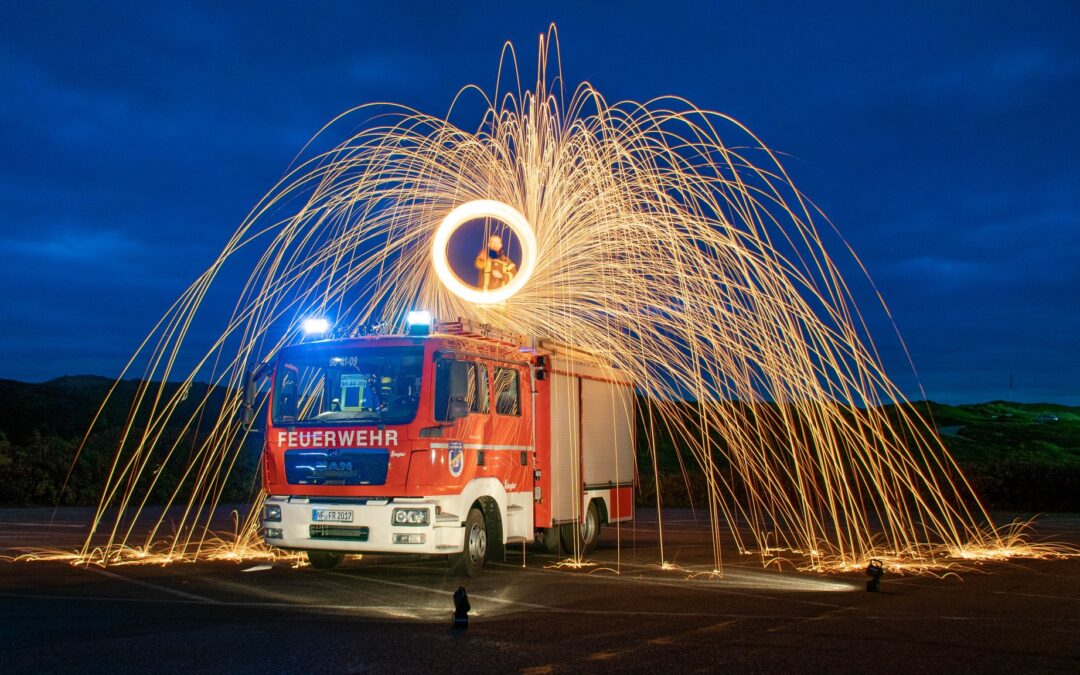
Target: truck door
point(464, 385)
point(512, 441)
point(511, 423)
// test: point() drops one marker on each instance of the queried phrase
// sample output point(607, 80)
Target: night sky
point(943, 144)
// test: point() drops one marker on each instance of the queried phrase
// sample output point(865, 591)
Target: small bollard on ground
point(875, 571)
point(461, 608)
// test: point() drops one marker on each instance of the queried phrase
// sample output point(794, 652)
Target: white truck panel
point(592, 434)
point(565, 448)
point(607, 437)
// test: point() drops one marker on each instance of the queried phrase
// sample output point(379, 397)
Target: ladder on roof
point(568, 351)
point(484, 331)
point(481, 331)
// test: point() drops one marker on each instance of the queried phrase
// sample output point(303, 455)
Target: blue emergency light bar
point(419, 322)
point(316, 325)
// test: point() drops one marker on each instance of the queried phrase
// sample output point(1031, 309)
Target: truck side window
point(286, 407)
point(478, 388)
point(507, 391)
point(442, 390)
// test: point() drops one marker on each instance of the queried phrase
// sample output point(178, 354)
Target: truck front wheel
point(324, 560)
point(471, 560)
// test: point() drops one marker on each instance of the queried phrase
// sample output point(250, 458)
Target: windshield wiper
point(337, 417)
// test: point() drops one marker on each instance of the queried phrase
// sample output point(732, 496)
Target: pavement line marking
point(251, 604)
point(683, 584)
point(42, 525)
point(396, 610)
point(439, 591)
point(548, 608)
point(162, 589)
point(1037, 595)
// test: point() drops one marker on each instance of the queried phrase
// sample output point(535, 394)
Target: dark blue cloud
point(939, 138)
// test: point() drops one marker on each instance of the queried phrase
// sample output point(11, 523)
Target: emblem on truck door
point(457, 458)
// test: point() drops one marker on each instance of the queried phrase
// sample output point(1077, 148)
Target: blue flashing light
point(316, 326)
point(419, 322)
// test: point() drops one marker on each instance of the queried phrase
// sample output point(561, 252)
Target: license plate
point(331, 516)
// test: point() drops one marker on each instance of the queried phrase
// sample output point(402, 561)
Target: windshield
point(334, 384)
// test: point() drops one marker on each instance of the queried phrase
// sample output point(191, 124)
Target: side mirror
point(459, 380)
point(250, 387)
point(459, 390)
point(451, 390)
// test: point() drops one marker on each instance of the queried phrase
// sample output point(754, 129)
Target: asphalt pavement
point(393, 614)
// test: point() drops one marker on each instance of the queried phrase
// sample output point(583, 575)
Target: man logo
point(457, 458)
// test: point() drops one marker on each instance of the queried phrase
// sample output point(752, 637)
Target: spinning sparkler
point(648, 239)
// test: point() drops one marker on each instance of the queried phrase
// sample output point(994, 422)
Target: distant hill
point(61, 407)
point(1018, 456)
point(42, 424)
point(1001, 430)
point(65, 406)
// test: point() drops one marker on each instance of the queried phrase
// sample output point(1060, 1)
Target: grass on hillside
point(1018, 456)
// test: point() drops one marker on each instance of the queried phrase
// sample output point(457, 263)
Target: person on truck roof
point(495, 268)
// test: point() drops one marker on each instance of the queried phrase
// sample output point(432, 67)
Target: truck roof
point(479, 339)
point(463, 343)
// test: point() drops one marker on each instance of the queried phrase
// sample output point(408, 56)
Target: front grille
point(334, 466)
point(348, 532)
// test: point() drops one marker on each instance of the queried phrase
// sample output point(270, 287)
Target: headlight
point(272, 513)
point(273, 533)
point(409, 517)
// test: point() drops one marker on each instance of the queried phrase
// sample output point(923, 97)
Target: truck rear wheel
point(553, 539)
point(588, 533)
point(324, 560)
point(471, 560)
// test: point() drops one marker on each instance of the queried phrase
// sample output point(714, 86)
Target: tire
point(553, 540)
point(471, 561)
point(588, 533)
point(324, 560)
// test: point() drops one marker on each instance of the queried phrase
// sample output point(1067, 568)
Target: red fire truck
point(448, 440)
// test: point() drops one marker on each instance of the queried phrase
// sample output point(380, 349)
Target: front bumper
point(369, 531)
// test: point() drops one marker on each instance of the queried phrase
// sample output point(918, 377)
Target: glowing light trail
point(666, 240)
point(483, 208)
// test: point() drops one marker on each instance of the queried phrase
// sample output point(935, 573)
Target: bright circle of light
point(484, 208)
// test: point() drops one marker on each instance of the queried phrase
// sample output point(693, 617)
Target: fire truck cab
point(449, 440)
